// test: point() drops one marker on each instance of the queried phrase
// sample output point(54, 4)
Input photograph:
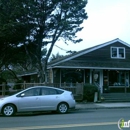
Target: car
point(38, 98)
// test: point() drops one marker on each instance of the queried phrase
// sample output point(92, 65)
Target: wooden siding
point(104, 54)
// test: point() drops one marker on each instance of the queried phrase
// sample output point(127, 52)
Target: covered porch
point(109, 80)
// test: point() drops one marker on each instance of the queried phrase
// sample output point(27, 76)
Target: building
point(107, 64)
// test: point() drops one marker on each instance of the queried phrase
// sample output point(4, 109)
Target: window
point(50, 91)
point(118, 52)
point(32, 92)
point(118, 78)
point(71, 76)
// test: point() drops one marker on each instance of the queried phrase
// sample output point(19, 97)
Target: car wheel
point(8, 110)
point(62, 108)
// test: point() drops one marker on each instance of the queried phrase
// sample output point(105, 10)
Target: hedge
point(89, 91)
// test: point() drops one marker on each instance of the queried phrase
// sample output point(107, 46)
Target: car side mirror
point(23, 94)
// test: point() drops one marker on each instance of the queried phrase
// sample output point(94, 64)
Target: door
point(49, 98)
point(29, 100)
point(97, 77)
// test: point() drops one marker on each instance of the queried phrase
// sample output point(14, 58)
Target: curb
point(96, 106)
point(92, 108)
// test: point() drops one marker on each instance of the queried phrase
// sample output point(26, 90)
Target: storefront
point(107, 80)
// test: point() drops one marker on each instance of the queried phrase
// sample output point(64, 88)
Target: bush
point(18, 85)
point(6, 86)
point(89, 91)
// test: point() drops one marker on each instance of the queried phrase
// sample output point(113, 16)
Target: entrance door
point(97, 77)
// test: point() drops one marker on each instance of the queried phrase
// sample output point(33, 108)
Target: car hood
point(6, 97)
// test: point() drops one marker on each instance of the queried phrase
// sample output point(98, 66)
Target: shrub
point(18, 85)
point(89, 91)
point(6, 86)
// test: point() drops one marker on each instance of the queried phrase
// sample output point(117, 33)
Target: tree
point(55, 19)
point(13, 29)
point(39, 23)
point(54, 57)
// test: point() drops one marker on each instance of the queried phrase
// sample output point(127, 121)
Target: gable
point(100, 54)
point(103, 53)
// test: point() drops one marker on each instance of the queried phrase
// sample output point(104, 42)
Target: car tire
point(8, 110)
point(62, 108)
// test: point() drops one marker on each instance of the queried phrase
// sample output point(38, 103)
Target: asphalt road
point(100, 119)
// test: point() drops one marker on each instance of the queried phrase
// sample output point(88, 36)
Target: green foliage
point(37, 23)
point(89, 91)
point(2, 80)
point(6, 74)
point(12, 31)
point(18, 85)
point(55, 57)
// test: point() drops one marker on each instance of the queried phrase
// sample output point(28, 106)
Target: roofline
point(92, 49)
point(79, 67)
point(27, 74)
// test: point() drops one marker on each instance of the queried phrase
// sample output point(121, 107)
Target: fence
point(75, 88)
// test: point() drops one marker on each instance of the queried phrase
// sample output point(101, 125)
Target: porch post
point(101, 81)
point(91, 74)
point(60, 77)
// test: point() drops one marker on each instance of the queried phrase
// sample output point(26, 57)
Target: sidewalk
point(102, 105)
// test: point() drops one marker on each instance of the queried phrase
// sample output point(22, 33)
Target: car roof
point(39, 87)
point(46, 87)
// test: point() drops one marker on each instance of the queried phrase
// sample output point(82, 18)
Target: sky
point(107, 20)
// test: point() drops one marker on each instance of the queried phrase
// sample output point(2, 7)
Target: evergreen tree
point(41, 22)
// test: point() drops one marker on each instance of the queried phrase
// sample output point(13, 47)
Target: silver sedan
point(38, 98)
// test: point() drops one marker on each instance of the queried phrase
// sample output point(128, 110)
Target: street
point(100, 119)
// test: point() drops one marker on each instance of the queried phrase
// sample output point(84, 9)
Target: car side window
point(53, 92)
point(32, 92)
point(44, 91)
point(48, 91)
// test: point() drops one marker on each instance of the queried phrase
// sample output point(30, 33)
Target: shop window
point(118, 78)
point(72, 75)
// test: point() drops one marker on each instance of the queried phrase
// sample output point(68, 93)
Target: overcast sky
point(107, 20)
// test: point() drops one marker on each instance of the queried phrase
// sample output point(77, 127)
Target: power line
point(61, 48)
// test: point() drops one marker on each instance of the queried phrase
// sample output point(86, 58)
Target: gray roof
point(94, 64)
point(65, 62)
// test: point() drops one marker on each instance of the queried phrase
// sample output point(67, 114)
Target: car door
point(29, 100)
point(49, 99)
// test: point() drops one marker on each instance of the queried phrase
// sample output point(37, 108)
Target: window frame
point(118, 54)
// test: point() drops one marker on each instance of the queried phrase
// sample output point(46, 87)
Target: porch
point(109, 80)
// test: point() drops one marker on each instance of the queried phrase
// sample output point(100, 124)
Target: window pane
point(71, 76)
point(45, 91)
point(121, 52)
point(114, 52)
point(116, 78)
point(49, 91)
point(60, 91)
point(52, 92)
point(32, 92)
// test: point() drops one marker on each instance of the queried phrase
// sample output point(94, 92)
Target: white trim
point(79, 67)
point(92, 49)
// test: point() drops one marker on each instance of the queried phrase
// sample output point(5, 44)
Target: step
point(116, 97)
